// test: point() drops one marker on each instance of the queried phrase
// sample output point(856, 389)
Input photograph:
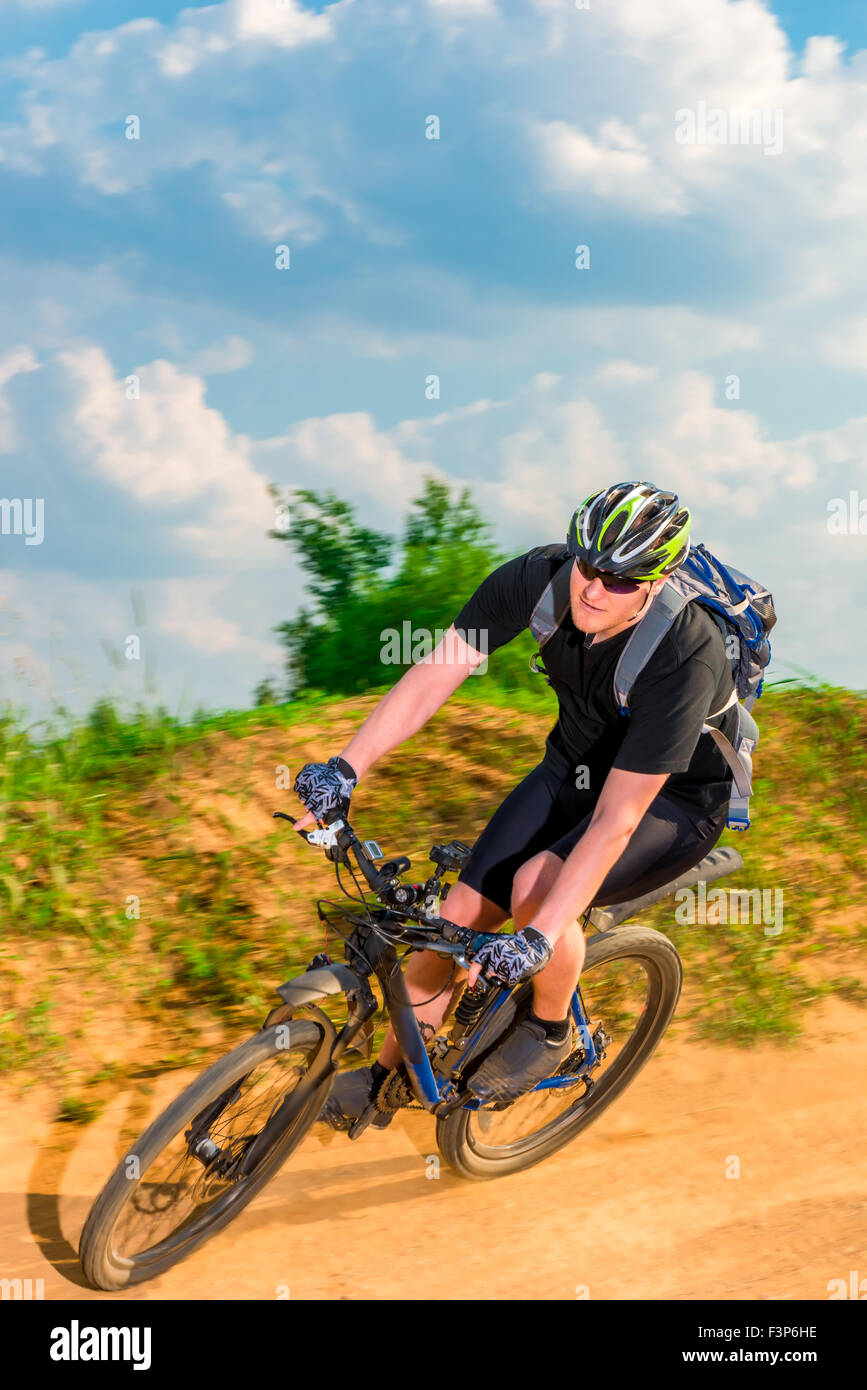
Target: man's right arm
point(412, 701)
point(408, 706)
point(498, 610)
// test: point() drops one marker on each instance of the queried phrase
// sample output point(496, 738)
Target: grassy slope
point(180, 819)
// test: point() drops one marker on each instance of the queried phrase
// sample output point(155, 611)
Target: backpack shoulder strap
point(656, 623)
point(553, 603)
point(738, 755)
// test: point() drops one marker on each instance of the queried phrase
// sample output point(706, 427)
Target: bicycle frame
point(432, 1089)
point(420, 928)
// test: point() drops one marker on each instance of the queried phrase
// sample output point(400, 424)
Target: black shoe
point(520, 1063)
point(350, 1095)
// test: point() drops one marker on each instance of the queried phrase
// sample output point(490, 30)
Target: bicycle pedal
point(368, 1115)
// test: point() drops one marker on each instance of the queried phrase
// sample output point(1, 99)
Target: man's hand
point(511, 959)
point(325, 789)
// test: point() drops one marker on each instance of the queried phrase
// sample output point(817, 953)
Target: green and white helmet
point(633, 529)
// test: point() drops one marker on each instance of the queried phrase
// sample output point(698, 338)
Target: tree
point(266, 692)
point(362, 583)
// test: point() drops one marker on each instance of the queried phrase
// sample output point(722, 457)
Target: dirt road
point(639, 1207)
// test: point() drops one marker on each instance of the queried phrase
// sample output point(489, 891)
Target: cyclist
point(616, 807)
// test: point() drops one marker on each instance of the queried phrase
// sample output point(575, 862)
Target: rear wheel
point(630, 986)
point(179, 1183)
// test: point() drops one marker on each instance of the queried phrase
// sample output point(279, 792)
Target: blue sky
point(264, 124)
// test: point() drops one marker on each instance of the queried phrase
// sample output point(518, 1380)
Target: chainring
point(396, 1093)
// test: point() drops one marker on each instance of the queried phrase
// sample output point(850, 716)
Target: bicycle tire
point(454, 1132)
point(107, 1270)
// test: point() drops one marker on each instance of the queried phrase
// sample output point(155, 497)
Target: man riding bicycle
point(591, 822)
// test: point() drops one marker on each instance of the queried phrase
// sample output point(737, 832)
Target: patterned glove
point(511, 959)
point(325, 788)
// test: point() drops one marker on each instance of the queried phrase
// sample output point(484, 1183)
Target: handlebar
point(461, 942)
point(341, 835)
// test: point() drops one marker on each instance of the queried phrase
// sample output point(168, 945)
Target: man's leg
point(543, 1040)
point(666, 841)
point(426, 972)
point(529, 820)
point(554, 986)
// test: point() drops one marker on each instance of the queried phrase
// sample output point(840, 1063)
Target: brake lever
point(305, 835)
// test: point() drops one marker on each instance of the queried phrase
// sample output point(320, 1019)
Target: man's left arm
point(622, 803)
point(666, 717)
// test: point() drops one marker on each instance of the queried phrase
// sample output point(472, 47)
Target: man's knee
point(469, 908)
point(534, 881)
point(466, 908)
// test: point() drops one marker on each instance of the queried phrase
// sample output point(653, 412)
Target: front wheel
point(630, 986)
point(181, 1182)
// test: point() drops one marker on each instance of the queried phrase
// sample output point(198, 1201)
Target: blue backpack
point(744, 612)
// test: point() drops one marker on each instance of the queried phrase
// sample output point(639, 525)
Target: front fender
point(326, 979)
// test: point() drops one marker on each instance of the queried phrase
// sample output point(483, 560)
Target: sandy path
point(639, 1207)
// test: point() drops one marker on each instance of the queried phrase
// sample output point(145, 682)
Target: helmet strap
point(651, 595)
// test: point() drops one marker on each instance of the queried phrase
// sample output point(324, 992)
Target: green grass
point(96, 812)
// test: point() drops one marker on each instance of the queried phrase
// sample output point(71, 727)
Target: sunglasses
point(614, 583)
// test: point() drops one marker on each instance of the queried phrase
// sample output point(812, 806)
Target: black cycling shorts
point(547, 812)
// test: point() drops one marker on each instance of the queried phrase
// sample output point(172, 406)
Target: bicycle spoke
point(178, 1189)
point(615, 995)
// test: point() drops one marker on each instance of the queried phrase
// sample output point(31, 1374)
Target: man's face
point(596, 609)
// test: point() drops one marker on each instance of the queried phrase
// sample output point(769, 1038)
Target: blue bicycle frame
point(430, 1088)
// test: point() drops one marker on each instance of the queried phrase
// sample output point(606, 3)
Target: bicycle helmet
point(633, 529)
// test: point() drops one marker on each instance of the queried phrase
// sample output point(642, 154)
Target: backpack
point(744, 613)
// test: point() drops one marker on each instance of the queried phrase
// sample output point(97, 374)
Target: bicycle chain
point(395, 1093)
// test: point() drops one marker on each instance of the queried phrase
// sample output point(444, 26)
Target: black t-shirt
point(687, 677)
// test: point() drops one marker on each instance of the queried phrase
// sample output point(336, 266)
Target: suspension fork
point(401, 1014)
point(362, 1006)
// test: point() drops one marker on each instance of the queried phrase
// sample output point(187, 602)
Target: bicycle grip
point(283, 815)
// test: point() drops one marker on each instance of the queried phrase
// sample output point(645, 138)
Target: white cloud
point(194, 610)
point(216, 29)
point(190, 47)
point(724, 451)
point(561, 448)
point(416, 429)
point(664, 426)
point(281, 22)
point(228, 356)
point(626, 373)
point(846, 344)
point(347, 452)
point(80, 103)
point(469, 7)
point(271, 213)
point(12, 364)
point(615, 167)
point(204, 639)
point(167, 449)
point(634, 65)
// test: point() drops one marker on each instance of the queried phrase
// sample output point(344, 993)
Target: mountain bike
point(207, 1155)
